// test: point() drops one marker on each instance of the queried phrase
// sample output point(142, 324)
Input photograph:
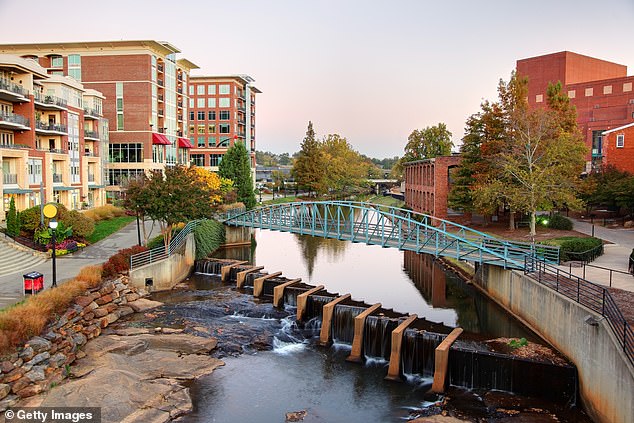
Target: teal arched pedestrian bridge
point(393, 227)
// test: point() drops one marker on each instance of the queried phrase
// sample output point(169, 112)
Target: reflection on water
point(404, 281)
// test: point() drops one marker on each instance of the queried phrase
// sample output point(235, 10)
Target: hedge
point(209, 235)
point(558, 221)
point(577, 248)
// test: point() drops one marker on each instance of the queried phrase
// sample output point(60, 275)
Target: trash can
point(33, 283)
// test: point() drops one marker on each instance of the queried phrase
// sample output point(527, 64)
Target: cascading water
point(377, 339)
point(418, 352)
point(208, 267)
point(315, 305)
point(343, 323)
point(290, 295)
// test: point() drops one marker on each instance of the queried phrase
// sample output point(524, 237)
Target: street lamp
point(53, 225)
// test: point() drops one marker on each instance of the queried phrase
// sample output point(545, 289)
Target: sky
point(371, 71)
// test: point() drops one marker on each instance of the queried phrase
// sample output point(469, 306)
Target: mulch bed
point(625, 301)
point(531, 351)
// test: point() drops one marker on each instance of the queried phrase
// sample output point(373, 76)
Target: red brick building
point(600, 90)
point(427, 184)
point(618, 144)
point(221, 113)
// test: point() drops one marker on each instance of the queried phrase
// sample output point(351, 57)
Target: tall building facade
point(52, 137)
point(600, 90)
point(146, 99)
point(221, 113)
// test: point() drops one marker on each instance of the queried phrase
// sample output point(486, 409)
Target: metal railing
point(583, 265)
point(91, 134)
point(10, 178)
point(15, 146)
point(57, 177)
point(160, 253)
point(88, 111)
point(14, 88)
point(14, 118)
point(595, 297)
point(51, 127)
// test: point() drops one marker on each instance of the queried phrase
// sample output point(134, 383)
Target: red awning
point(160, 139)
point(184, 143)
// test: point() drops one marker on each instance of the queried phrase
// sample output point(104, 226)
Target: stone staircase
point(13, 260)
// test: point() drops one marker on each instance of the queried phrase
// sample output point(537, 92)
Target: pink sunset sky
point(371, 71)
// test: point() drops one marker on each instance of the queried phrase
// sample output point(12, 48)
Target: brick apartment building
point(427, 184)
point(52, 137)
point(146, 101)
point(221, 112)
point(600, 90)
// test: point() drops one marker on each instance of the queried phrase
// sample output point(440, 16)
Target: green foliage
point(82, 225)
point(104, 228)
point(236, 165)
point(610, 188)
point(45, 235)
point(345, 171)
point(558, 221)
point(577, 248)
point(209, 235)
point(433, 141)
point(514, 343)
point(30, 219)
point(309, 167)
point(13, 220)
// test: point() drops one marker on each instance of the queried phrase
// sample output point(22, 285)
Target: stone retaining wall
point(44, 361)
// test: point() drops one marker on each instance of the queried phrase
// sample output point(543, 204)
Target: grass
point(282, 200)
point(103, 228)
point(28, 318)
point(384, 200)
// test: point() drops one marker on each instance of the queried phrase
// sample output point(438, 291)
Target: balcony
point(242, 109)
point(160, 82)
point(15, 146)
point(180, 77)
point(91, 134)
point(51, 128)
point(58, 150)
point(160, 97)
point(90, 113)
point(57, 178)
point(179, 90)
point(241, 95)
point(49, 102)
point(10, 178)
point(180, 118)
point(13, 92)
point(159, 67)
point(160, 112)
point(14, 121)
point(180, 104)
point(89, 153)
point(91, 177)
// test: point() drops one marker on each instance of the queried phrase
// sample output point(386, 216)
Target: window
point(125, 153)
point(191, 103)
point(200, 103)
point(57, 62)
point(224, 115)
point(224, 89)
point(192, 115)
point(539, 98)
point(224, 102)
point(201, 142)
point(211, 102)
point(197, 160)
point(74, 66)
point(192, 128)
point(201, 129)
point(212, 141)
point(589, 92)
point(75, 74)
point(211, 89)
point(200, 89)
point(607, 89)
point(620, 141)
point(224, 141)
point(201, 115)
point(158, 153)
point(119, 96)
point(215, 159)
point(35, 171)
point(191, 90)
point(224, 128)
point(212, 128)
point(572, 94)
point(117, 176)
point(211, 115)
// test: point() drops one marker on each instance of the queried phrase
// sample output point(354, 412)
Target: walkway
point(11, 285)
point(615, 256)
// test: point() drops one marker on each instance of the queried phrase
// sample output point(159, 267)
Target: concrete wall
point(167, 273)
point(606, 377)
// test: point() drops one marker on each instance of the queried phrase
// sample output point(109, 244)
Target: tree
point(214, 183)
point(236, 165)
point(346, 171)
point(309, 167)
point(169, 198)
point(13, 220)
point(279, 179)
point(433, 141)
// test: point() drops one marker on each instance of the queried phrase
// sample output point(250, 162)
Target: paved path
point(11, 285)
point(615, 256)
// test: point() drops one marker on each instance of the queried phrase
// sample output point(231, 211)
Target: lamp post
point(53, 225)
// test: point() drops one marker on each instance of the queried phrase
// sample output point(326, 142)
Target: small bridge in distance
point(392, 227)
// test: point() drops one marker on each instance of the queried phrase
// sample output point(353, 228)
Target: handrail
point(159, 253)
point(595, 297)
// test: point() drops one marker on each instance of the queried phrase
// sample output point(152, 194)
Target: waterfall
point(209, 267)
point(315, 305)
point(290, 295)
point(377, 337)
point(343, 323)
point(418, 352)
point(250, 277)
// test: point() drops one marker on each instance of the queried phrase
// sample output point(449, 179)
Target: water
point(273, 366)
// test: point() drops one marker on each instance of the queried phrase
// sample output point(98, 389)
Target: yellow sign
point(50, 211)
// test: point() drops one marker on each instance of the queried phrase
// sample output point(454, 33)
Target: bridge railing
point(160, 253)
point(595, 297)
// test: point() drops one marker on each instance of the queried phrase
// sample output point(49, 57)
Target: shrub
point(157, 241)
point(104, 212)
point(82, 225)
point(13, 220)
point(120, 262)
point(558, 221)
point(577, 248)
point(209, 235)
point(30, 219)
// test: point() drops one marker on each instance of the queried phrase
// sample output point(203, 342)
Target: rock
point(202, 329)
point(29, 391)
point(84, 300)
point(57, 360)
point(115, 294)
point(81, 354)
point(36, 374)
point(124, 311)
point(89, 316)
point(20, 384)
point(79, 339)
point(132, 297)
point(13, 375)
point(112, 317)
point(105, 299)
point(171, 331)
point(4, 390)
point(100, 312)
point(295, 416)
point(628, 224)
point(131, 331)
point(143, 304)
point(9, 401)
point(39, 358)
point(39, 344)
point(107, 288)
point(51, 336)
point(27, 353)
point(6, 366)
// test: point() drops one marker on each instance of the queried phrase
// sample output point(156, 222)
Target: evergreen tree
point(13, 220)
point(235, 165)
point(310, 166)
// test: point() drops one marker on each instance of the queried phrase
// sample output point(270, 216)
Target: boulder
point(143, 304)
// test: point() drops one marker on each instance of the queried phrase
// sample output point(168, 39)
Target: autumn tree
point(236, 165)
point(433, 141)
point(309, 167)
point(346, 171)
point(216, 185)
